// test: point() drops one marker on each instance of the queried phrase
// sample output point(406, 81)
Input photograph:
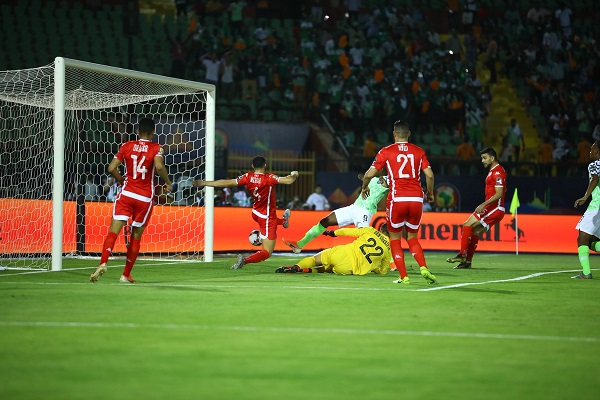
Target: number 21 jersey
point(404, 162)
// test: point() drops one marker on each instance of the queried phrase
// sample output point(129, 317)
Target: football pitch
point(514, 327)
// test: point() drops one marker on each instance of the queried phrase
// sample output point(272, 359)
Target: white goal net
point(61, 124)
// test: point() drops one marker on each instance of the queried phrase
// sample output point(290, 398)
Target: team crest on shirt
point(161, 151)
point(498, 181)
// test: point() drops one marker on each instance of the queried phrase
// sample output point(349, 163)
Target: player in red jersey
point(142, 158)
point(488, 213)
point(404, 162)
point(262, 187)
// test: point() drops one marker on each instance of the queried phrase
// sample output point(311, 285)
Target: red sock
point(107, 247)
point(132, 254)
point(417, 251)
point(280, 221)
point(257, 257)
point(465, 238)
point(472, 247)
point(398, 255)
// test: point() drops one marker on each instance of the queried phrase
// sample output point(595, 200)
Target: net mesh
point(102, 111)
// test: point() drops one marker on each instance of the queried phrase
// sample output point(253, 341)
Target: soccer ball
point(254, 238)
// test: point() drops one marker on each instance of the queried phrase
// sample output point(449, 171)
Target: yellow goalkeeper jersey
point(369, 252)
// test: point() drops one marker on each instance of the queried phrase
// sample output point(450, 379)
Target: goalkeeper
point(359, 213)
point(369, 252)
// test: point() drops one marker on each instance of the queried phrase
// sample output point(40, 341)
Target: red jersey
point(138, 157)
point(404, 162)
point(496, 178)
point(261, 187)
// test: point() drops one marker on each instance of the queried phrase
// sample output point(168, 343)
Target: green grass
point(203, 331)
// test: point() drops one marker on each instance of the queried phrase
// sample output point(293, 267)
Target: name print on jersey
point(140, 147)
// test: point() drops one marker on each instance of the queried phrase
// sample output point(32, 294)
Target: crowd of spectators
point(554, 55)
point(363, 63)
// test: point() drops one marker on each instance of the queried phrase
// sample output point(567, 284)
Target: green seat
point(435, 149)
point(427, 138)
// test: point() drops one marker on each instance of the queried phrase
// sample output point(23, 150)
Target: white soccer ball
point(254, 238)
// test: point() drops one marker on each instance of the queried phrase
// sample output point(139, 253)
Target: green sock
point(584, 259)
point(595, 246)
point(311, 234)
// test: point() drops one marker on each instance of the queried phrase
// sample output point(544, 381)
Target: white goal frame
point(60, 65)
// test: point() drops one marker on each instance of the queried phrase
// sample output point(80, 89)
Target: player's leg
point(312, 233)
point(285, 219)
point(122, 211)
point(395, 222)
point(583, 250)
point(465, 238)
point(306, 265)
point(595, 243)
point(268, 233)
point(142, 212)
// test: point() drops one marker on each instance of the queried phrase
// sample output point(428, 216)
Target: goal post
point(60, 125)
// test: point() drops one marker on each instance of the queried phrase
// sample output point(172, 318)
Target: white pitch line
point(298, 287)
point(321, 331)
point(519, 278)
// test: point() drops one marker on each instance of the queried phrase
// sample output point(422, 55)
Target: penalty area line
point(302, 330)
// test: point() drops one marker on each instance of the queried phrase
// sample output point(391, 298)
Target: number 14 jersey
point(138, 157)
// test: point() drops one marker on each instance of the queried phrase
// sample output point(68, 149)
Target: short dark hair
point(146, 126)
point(489, 151)
point(259, 162)
point(401, 127)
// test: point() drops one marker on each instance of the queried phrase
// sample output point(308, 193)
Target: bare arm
point(489, 201)
point(217, 183)
point(591, 186)
point(370, 174)
point(289, 179)
point(429, 179)
point(159, 164)
point(113, 169)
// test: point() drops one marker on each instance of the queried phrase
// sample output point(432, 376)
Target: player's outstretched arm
point(217, 183)
point(289, 179)
point(370, 174)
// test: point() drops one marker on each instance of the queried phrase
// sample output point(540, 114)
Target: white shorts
point(353, 214)
point(590, 223)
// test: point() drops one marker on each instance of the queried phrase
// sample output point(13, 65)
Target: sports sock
point(472, 247)
point(417, 251)
point(595, 246)
point(398, 255)
point(257, 257)
point(307, 262)
point(107, 247)
point(311, 234)
point(584, 259)
point(132, 254)
point(465, 238)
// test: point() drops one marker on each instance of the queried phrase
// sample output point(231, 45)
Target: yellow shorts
point(337, 259)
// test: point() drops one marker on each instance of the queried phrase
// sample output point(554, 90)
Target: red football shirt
point(138, 157)
point(261, 187)
point(404, 162)
point(496, 178)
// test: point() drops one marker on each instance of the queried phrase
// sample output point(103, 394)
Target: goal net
point(61, 125)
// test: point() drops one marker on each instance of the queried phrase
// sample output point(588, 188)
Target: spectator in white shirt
point(317, 200)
